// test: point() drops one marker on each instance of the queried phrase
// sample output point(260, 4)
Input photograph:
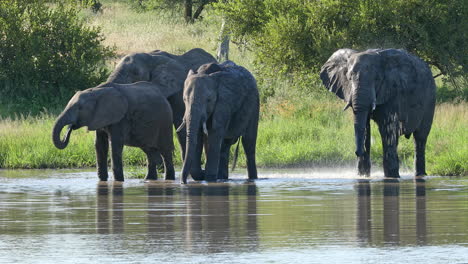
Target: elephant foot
point(394, 175)
point(364, 167)
point(150, 178)
point(211, 178)
point(198, 176)
point(420, 174)
point(103, 178)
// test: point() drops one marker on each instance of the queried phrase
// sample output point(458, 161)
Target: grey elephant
point(168, 71)
point(135, 114)
point(221, 100)
point(395, 89)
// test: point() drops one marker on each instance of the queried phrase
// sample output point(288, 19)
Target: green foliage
point(291, 35)
point(46, 54)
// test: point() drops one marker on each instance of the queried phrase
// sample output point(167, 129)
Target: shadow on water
point(391, 212)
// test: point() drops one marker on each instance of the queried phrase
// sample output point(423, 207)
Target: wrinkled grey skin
point(392, 87)
point(222, 101)
point(135, 115)
point(168, 71)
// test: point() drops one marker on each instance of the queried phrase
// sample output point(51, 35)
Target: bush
point(289, 36)
point(47, 53)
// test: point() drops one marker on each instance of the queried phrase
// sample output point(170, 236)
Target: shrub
point(46, 53)
point(289, 36)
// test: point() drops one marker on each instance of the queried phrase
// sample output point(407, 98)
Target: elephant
point(137, 115)
point(395, 89)
point(166, 70)
point(222, 100)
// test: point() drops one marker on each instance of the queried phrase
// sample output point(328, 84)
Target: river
point(288, 216)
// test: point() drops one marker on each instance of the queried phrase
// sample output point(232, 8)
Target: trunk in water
point(360, 124)
point(193, 126)
point(59, 124)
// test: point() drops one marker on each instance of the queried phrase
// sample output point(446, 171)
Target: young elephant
point(392, 87)
point(223, 100)
point(135, 115)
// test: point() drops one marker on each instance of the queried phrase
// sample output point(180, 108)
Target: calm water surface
point(288, 216)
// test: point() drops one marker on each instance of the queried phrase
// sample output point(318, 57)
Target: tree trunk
point(188, 11)
point(223, 49)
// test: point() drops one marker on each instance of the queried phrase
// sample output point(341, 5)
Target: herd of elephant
point(214, 105)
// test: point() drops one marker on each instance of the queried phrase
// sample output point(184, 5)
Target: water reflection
point(221, 215)
point(109, 208)
point(211, 217)
point(367, 226)
point(364, 216)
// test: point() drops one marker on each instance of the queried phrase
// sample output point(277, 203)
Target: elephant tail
point(236, 153)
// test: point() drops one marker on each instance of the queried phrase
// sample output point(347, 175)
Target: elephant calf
point(392, 87)
point(135, 115)
point(221, 100)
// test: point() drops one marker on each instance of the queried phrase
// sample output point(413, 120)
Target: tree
point(192, 9)
point(47, 53)
point(293, 35)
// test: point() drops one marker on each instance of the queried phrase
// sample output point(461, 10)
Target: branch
point(200, 9)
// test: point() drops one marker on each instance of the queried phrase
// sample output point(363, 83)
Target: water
point(289, 216)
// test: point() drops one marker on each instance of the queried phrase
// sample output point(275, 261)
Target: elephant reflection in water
point(391, 212)
point(109, 208)
point(221, 215)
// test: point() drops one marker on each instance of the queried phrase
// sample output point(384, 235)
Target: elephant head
point(95, 108)
point(163, 70)
point(200, 98)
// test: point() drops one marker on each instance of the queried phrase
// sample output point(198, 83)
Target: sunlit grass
point(325, 139)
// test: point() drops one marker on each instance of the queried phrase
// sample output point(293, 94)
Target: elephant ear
point(111, 106)
point(333, 73)
point(168, 74)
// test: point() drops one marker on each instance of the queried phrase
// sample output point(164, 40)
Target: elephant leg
point(420, 153)
point(153, 160)
point(215, 139)
point(117, 149)
point(168, 165)
point(249, 143)
point(223, 167)
point(178, 111)
point(389, 134)
point(101, 145)
point(420, 138)
point(364, 162)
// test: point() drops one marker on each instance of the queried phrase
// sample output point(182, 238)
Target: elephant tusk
point(182, 126)
point(347, 106)
point(373, 106)
point(205, 130)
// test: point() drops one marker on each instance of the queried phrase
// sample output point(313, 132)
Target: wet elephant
point(395, 89)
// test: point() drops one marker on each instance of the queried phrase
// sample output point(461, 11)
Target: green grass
point(325, 139)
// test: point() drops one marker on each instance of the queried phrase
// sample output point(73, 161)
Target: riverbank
point(324, 139)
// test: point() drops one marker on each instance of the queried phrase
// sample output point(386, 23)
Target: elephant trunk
point(62, 121)
point(361, 120)
point(193, 127)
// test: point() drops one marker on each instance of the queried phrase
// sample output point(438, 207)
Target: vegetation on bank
point(323, 139)
point(301, 123)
